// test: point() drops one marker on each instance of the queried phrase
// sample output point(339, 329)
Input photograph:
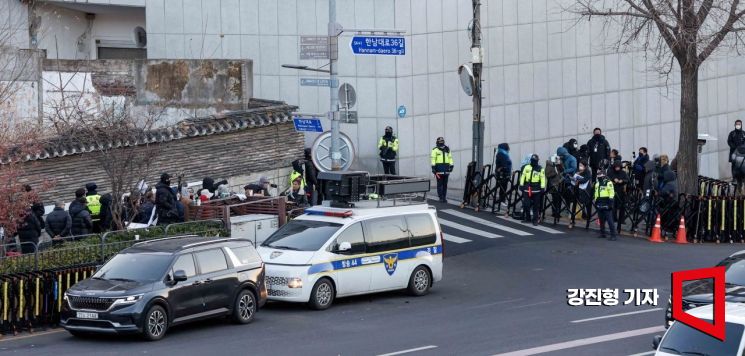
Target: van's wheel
point(245, 307)
point(420, 281)
point(156, 323)
point(322, 294)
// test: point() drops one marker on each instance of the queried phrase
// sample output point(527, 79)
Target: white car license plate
point(84, 315)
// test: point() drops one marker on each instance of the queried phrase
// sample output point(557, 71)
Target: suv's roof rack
point(163, 239)
point(348, 188)
point(200, 243)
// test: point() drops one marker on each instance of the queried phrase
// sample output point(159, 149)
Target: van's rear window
point(302, 235)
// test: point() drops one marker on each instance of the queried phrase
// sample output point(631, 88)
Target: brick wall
point(239, 153)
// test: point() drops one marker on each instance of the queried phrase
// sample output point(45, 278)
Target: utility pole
point(333, 91)
point(476, 59)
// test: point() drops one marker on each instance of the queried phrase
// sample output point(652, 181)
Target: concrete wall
point(13, 24)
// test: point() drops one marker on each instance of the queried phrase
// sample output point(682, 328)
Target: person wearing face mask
point(604, 200)
point(581, 180)
point(735, 139)
point(388, 147)
point(165, 201)
point(442, 165)
point(532, 183)
point(598, 150)
point(572, 146)
point(639, 164)
point(620, 179)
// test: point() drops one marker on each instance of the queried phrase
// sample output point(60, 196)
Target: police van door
point(385, 238)
point(352, 277)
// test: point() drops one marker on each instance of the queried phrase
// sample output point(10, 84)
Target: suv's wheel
point(322, 294)
point(420, 281)
point(156, 323)
point(245, 307)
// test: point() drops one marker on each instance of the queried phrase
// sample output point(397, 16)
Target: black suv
point(701, 292)
point(160, 283)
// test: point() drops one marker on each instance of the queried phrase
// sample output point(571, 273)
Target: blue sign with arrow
point(303, 124)
point(401, 111)
point(391, 46)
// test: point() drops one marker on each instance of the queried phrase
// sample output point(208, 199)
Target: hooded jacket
point(670, 186)
point(735, 139)
point(650, 176)
point(165, 202)
point(639, 163)
point(106, 214)
point(598, 149)
point(567, 160)
point(58, 223)
point(569, 145)
point(81, 219)
point(503, 164)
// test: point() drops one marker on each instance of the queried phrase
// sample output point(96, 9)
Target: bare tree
point(120, 135)
point(684, 31)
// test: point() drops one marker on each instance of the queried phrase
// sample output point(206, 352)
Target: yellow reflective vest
point(442, 160)
point(604, 192)
point(388, 148)
point(94, 204)
point(294, 175)
point(535, 179)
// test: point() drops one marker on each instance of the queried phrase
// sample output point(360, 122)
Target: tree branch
point(734, 16)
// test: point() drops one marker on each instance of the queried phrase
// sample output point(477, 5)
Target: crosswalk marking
point(456, 239)
point(486, 222)
point(467, 229)
point(537, 227)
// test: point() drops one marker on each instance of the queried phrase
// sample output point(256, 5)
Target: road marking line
point(495, 303)
point(486, 222)
point(537, 227)
point(617, 315)
point(530, 305)
point(13, 338)
point(585, 342)
point(644, 353)
point(456, 239)
point(410, 350)
point(467, 229)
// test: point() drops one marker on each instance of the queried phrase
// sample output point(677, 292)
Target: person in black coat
point(165, 201)
point(209, 184)
point(82, 223)
point(503, 169)
point(598, 149)
point(107, 216)
point(29, 230)
point(620, 180)
point(311, 177)
point(59, 222)
point(735, 139)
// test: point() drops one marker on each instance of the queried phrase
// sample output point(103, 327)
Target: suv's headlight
point(128, 299)
point(294, 283)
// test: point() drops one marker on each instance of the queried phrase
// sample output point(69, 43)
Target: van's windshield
point(681, 339)
point(302, 235)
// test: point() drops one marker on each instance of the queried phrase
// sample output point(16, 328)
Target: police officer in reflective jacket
point(388, 147)
point(604, 195)
point(533, 184)
point(94, 205)
point(442, 165)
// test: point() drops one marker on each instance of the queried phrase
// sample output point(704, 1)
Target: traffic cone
point(681, 237)
point(656, 231)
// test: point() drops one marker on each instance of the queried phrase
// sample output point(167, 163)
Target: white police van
point(681, 339)
point(330, 252)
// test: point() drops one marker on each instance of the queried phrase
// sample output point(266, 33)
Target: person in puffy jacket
point(503, 169)
point(82, 223)
point(669, 188)
point(572, 147)
point(568, 161)
point(146, 208)
point(29, 230)
point(166, 202)
point(58, 222)
point(639, 163)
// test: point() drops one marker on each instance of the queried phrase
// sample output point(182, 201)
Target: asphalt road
point(504, 291)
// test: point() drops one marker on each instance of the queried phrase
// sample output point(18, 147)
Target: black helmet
point(440, 141)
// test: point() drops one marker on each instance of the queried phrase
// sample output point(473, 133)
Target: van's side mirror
point(656, 341)
point(179, 276)
point(345, 246)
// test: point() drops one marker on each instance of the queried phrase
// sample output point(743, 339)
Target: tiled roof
point(260, 113)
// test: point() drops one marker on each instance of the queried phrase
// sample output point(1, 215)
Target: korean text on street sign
point(310, 124)
point(394, 46)
point(317, 82)
point(314, 47)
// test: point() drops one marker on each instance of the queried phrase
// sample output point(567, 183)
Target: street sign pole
point(476, 54)
point(334, 95)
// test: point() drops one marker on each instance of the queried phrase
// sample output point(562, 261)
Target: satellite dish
point(347, 96)
point(321, 149)
point(466, 79)
point(140, 37)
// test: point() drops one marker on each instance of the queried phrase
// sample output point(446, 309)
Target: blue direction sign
point(392, 46)
point(307, 124)
point(401, 111)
